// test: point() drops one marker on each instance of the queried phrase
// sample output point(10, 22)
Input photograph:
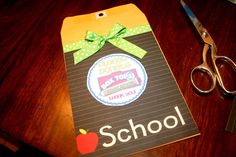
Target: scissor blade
point(192, 17)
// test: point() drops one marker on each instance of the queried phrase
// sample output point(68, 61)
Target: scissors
point(204, 67)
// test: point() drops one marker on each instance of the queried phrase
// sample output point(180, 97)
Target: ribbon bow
point(94, 42)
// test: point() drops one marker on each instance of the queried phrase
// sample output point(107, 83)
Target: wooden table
point(34, 99)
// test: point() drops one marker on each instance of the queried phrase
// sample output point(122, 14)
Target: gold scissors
point(204, 67)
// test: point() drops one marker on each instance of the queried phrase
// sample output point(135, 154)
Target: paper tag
point(122, 103)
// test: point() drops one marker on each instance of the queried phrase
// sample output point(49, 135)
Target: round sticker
point(116, 79)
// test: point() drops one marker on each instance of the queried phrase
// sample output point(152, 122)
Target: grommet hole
point(101, 14)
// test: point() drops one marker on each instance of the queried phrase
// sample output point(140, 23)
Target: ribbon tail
point(78, 57)
point(128, 47)
point(87, 50)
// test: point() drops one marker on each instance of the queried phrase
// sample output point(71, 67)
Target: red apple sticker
point(86, 142)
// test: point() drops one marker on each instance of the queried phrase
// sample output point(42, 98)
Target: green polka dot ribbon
point(94, 42)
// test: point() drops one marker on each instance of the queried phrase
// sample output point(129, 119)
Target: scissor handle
point(218, 76)
point(204, 68)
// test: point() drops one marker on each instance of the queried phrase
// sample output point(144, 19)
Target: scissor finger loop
point(228, 60)
point(205, 69)
point(218, 76)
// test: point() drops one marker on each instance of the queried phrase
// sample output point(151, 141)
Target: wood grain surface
point(34, 99)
